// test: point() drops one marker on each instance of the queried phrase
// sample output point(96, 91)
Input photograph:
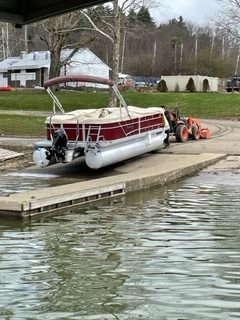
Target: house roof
point(32, 60)
point(41, 59)
point(6, 63)
point(22, 12)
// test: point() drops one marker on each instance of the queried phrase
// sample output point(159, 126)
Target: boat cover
point(103, 115)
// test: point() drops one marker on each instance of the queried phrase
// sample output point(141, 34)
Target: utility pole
point(223, 44)
point(26, 38)
point(196, 52)
point(212, 46)
point(123, 50)
point(175, 57)
point(154, 54)
point(181, 58)
point(5, 41)
point(236, 69)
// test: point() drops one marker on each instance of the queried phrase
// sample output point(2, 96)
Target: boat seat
point(104, 112)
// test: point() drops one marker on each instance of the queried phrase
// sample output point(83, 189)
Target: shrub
point(190, 85)
point(206, 86)
point(162, 86)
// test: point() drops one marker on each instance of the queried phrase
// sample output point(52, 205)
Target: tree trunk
point(116, 52)
point(55, 66)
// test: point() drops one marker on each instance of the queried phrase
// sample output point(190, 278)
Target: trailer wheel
point(181, 133)
point(195, 133)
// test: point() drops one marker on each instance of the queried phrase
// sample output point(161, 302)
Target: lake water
point(162, 254)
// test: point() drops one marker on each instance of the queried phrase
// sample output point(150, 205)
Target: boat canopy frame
point(82, 78)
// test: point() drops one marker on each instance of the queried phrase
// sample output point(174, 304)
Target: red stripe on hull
point(109, 131)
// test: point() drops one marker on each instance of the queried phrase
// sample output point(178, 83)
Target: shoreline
point(148, 171)
point(218, 154)
point(21, 160)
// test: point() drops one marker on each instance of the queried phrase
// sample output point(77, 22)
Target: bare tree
point(228, 31)
point(12, 40)
point(229, 17)
point(56, 36)
point(111, 29)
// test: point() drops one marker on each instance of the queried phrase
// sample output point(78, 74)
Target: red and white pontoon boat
point(103, 136)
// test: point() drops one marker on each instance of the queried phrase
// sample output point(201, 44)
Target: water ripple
point(165, 253)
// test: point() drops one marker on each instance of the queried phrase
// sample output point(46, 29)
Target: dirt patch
point(20, 162)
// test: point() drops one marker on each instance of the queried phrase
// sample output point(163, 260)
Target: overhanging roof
point(26, 11)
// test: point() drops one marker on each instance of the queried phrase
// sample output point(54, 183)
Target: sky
point(195, 11)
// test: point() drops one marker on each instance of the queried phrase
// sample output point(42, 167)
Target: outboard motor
point(56, 153)
point(59, 145)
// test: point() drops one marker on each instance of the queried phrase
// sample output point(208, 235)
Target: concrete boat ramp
point(159, 168)
point(147, 171)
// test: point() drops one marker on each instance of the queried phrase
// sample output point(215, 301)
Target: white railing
point(55, 101)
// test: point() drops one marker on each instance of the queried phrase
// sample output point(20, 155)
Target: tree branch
point(96, 28)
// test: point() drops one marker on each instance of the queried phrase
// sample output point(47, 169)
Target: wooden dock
point(41, 201)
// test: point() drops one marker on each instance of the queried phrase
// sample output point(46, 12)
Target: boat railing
point(123, 103)
point(56, 102)
point(99, 132)
point(141, 128)
point(94, 131)
point(88, 133)
point(51, 125)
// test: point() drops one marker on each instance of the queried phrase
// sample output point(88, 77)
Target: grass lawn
point(15, 125)
point(201, 105)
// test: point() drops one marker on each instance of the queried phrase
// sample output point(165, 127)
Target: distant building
point(4, 65)
point(179, 83)
point(32, 69)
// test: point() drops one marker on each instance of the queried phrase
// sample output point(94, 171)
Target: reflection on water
point(15, 182)
point(166, 253)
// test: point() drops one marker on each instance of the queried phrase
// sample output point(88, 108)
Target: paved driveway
point(225, 139)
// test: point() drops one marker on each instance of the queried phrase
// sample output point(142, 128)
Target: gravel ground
point(15, 157)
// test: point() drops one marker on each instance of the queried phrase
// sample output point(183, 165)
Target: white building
point(4, 65)
point(84, 62)
point(32, 69)
point(179, 83)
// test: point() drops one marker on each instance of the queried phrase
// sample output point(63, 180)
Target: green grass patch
point(39, 100)
point(200, 105)
point(15, 125)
